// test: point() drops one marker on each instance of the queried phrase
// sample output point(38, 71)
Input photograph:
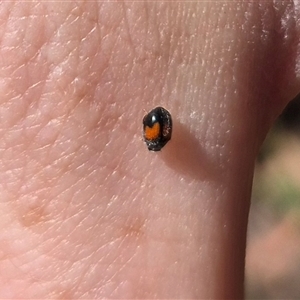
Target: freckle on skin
point(33, 216)
point(66, 294)
point(134, 228)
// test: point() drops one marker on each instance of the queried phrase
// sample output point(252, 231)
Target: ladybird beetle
point(157, 128)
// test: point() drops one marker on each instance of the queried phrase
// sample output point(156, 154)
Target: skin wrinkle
point(80, 281)
point(55, 251)
point(147, 58)
point(107, 279)
point(66, 267)
point(257, 80)
point(122, 267)
point(42, 190)
point(5, 15)
point(14, 62)
point(297, 62)
point(127, 28)
point(32, 40)
point(99, 144)
point(280, 10)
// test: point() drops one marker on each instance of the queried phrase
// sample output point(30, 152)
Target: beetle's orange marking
point(152, 133)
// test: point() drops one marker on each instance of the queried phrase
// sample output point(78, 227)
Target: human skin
point(86, 210)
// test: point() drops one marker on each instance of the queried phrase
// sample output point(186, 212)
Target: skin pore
point(86, 210)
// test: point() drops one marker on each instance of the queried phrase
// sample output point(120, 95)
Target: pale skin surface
point(86, 210)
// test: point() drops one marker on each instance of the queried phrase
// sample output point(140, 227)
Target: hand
point(86, 210)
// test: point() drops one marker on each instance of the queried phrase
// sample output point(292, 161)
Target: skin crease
point(86, 210)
